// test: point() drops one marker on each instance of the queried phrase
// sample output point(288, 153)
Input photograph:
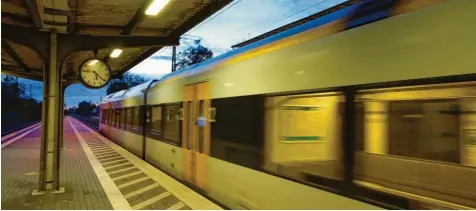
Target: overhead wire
point(316, 4)
point(208, 20)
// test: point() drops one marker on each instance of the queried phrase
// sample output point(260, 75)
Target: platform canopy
point(116, 21)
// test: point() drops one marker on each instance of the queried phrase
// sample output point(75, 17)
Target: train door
point(196, 134)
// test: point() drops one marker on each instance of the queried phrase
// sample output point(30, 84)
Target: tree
point(193, 55)
point(16, 107)
point(83, 108)
point(127, 81)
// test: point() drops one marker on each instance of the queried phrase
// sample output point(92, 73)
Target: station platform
point(96, 174)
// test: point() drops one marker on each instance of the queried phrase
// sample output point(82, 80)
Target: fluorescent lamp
point(156, 7)
point(93, 62)
point(116, 52)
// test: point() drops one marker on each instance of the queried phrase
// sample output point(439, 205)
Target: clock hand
point(97, 75)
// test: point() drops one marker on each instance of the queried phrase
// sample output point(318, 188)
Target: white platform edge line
point(20, 136)
point(189, 197)
point(117, 200)
point(151, 200)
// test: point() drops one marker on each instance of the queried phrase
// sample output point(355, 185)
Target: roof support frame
point(72, 16)
point(10, 72)
point(136, 19)
point(70, 43)
point(36, 14)
point(132, 24)
point(14, 56)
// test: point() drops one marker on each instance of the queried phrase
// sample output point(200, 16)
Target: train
point(372, 106)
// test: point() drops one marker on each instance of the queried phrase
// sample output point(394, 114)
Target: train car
point(372, 106)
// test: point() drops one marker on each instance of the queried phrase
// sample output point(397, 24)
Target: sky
point(237, 22)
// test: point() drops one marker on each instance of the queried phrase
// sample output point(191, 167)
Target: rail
point(92, 122)
point(20, 127)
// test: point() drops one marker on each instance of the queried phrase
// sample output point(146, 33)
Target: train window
point(129, 117)
point(303, 136)
point(116, 117)
point(122, 118)
point(417, 140)
point(110, 116)
point(136, 118)
point(103, 116)
point(172, 123)
point(156, 120)
point(237, 132)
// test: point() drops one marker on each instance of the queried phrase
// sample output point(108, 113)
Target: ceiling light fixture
point(156, 7)
point(116, 53)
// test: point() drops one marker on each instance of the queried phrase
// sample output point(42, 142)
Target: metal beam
point(132, 24)
point(37, 40)
point(33, 7)
point(17, 18)
point(82, 42)
point(70, 43)
point(95, 26)
point(72, 16)
point(137, 19)
point(14, 56)
point(26, 76)
point(18, 69)
point(52, 11)
point(53, 23)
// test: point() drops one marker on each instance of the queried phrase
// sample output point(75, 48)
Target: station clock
point(94, 73)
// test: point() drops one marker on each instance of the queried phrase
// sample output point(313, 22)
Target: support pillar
point(61, 136)
point(52, 122)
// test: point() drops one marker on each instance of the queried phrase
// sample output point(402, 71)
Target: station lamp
point(116, 53)
point(156, 6)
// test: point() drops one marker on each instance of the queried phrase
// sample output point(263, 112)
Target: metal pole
point(174, 58)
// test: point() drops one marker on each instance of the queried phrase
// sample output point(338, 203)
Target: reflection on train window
point(122, 116)
point(156, 119)
point(136, 118)
point(103, 116)
point(109, 117)
point(416, 140)
point(172, 123)
point(129, 118)
point(303, 135)
point(201, 125)
point(116, 117)
point(237, 133)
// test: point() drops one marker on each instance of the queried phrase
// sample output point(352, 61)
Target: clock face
point(94, 73)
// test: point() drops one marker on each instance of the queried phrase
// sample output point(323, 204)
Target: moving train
point(372, 106)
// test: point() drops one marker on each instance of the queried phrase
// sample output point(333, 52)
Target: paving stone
point(124, 172)
point(137, 186)
point(185, 208)
point(82, 188)
point(170, 200)
point(159, 205)
point(115, 163)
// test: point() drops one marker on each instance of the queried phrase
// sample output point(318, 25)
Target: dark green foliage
point(127, 81)
point(17, 108)
point(193, 55)
point(83, 109)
